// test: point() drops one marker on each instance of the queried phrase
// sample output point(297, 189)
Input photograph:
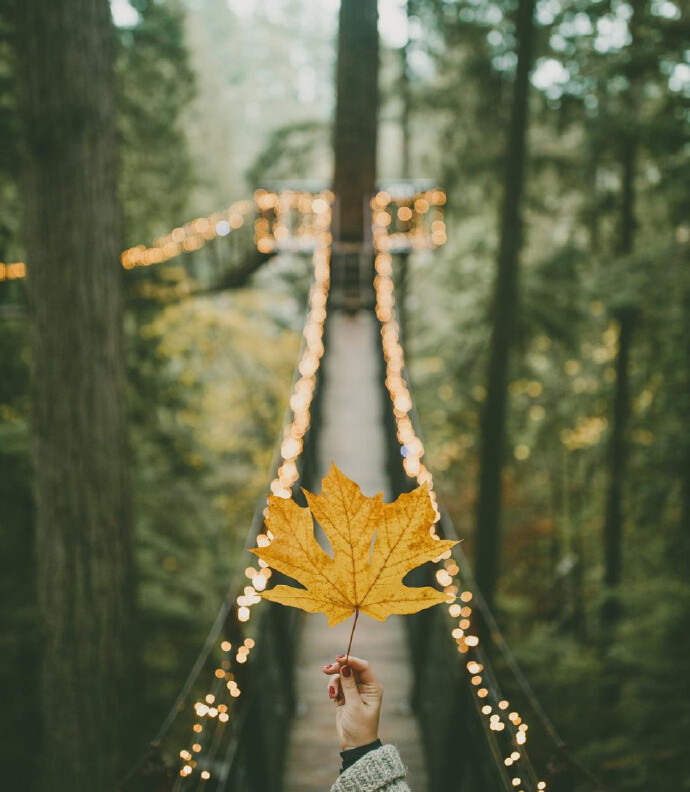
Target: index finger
point(362, 667)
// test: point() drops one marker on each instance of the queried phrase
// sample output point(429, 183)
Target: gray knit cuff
point(377, 770)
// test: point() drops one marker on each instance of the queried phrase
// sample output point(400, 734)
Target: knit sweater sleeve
point(381, 770)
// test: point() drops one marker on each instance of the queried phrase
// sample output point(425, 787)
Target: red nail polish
point(331, 692)
point(346, 671)
point(341, 657)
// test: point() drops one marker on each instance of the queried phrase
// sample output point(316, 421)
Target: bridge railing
point(255, 756)
point(238, 699)
point(471, 739)
point(460, 746)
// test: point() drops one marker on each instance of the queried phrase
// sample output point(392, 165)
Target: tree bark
point(493, 417)
point(84, 525)
point(356, 115)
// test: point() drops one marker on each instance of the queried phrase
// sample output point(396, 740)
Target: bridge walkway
point(352, 436)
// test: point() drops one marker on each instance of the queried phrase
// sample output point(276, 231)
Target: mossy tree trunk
point(84, 525)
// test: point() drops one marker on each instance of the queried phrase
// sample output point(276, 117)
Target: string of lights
point(501, 718)
point(213, 710)
point(286, 220)
point(212, 714)
point(184, 239)
point(411, 223)
point(305, 387)
point(512, 663)
point(233, 746)
point(188, 237)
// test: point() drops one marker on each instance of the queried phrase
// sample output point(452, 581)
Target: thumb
point(348, 684)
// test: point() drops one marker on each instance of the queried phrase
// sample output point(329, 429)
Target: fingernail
point(331, 692)
point(340, 657)
point(346, 671)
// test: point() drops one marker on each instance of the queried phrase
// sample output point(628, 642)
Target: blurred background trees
point(213, 98)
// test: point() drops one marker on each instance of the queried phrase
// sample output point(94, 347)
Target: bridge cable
point(523, 682)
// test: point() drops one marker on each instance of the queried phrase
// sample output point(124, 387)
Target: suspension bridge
point(254, 705)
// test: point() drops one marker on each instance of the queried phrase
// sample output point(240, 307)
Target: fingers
point(334, 692)
point(364, 672)
point(348, 684)
point(361, 667)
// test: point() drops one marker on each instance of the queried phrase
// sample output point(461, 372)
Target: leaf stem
point(349, 646)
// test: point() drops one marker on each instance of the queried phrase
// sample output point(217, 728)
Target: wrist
point(352, 755)
point(353, 743)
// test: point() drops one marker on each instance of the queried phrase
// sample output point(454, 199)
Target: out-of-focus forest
point(217, 97)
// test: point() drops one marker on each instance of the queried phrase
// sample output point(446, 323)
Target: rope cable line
point(520, 677)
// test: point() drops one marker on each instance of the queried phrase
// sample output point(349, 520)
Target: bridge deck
point(352, 437)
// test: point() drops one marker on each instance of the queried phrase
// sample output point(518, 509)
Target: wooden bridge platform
point(352, 436)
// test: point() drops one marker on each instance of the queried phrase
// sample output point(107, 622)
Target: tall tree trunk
point(356, 115)
point(592, 210)
point(84, 538)
point(626, 318)
point(405, 100)
point(493, 418)
point(617, 450)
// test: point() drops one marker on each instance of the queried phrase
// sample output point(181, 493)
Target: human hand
point(357, 694)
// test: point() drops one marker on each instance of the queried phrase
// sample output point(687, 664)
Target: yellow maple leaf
point(375, 544)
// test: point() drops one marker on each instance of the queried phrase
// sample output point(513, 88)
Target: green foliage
point(260, 67)
point(155, 87)
point(574, 284)
point(291, 152)
point(9, 150)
